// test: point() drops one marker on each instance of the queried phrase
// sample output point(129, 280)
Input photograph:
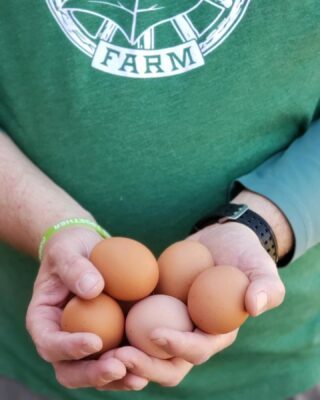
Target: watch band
point(242, 214)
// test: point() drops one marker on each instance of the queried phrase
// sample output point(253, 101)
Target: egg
point(179, 265)
point(216, 300)
point(101, 315)
point(154, 312)
point(128, 267)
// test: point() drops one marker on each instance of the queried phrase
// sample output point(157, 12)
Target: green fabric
point(150, 156)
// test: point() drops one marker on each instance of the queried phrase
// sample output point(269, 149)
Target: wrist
point(82, 220)
point(50, 217)
point(30, 202)
point(272, 215)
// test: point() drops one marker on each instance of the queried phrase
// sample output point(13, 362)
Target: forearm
point(290, 179)
point(274, 217)
point(29, 201)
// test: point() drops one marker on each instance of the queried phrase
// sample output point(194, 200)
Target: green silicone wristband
point(66, 224)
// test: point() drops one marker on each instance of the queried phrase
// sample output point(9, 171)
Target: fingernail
point(109, 377)
point(136, 388)
point(115, 377)
point(88, 282)
point(262, 300)
point(160, 341)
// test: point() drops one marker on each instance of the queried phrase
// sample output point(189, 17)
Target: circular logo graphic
point(147, 38)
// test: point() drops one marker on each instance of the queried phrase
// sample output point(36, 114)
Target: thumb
point(79, 275)
point(265, 291)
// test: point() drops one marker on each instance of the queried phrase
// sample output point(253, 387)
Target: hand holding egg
point(215, 300)
point(227, 309)
point(66, 269)
point(237, 247)
point(215, 295)
point(130, 272)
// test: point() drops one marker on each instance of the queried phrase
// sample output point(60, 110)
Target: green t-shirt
point(145, 112)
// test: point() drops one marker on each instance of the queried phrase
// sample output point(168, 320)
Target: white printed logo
point(147, 38)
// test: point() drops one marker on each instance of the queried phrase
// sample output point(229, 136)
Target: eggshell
point(179, 265)
point(101, 315)
point(154, 312)
point(216, 300)
point(128, 267)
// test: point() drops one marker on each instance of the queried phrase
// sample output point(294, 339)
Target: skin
point(30, 202)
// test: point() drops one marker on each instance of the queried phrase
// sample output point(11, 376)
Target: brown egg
point(101, 315)
point(216, 299)
point(128, 267)
point(179, 265)
point(154, 312)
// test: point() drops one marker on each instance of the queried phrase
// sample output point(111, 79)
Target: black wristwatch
point(242, 214)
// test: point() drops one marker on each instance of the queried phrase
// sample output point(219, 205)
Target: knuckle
point(29, 323)
point(73, 261)
point(43, 353)
point(281, 292)
point(70, 267)
point(125, 354)
point(62, 379)
point(43, 348)
point(50, 286)
point(51, 252)
point(282, 289)
point(30, 326)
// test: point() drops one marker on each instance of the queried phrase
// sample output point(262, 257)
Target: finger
point(62, 346)
point(97, 373)
point(48, 290)
point(264, 294)
point(134, 382)
point(165, 372)
point(266, 290)
point(129, 382)
point(43, 324)
point(76, 271)
point(195, 347)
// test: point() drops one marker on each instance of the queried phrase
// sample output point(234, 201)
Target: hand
point(187, 349)
point(237, 245)
point(230, 244)
point(66, 268)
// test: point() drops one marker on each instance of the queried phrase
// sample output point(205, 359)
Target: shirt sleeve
point(291, 180)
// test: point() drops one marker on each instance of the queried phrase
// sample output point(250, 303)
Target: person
point(144, 117)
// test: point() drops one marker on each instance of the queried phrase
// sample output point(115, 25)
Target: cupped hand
point(66, 269)
point(237, 245)
point(187, 349)
point(230, 244)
